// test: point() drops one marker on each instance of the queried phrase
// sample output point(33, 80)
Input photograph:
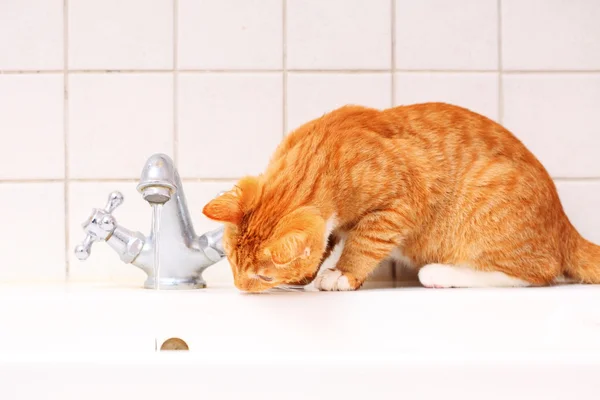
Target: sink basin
point(390, 340)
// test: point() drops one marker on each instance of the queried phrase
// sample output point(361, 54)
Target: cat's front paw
point(334, 279)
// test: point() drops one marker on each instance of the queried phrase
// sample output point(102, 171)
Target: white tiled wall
point(89, 89)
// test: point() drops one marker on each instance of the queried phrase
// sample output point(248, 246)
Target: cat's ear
point(249, 190)
point(288, 248)
point(225, 208)
point(231, 206)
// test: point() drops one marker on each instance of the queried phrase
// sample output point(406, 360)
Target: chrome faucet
point(184, 255)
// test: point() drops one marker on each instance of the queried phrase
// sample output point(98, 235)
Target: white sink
point(392, 342)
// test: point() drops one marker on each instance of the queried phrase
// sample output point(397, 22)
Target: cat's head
point(267, 243)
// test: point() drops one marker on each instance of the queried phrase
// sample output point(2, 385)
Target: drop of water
point(156, 212)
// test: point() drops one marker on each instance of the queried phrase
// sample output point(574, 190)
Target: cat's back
point(436, 137)
point(431, 125)
point(456, 133)
point(442, 121)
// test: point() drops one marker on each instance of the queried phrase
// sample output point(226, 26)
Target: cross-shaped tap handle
point(83, 250)
point(99, 226)
point(115, 199)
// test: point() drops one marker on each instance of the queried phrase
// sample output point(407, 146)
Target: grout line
point(393, 96)
point(296, 70)
point(33, 72)
point(116, 180)
point(210, 180)
point(284, 65)
point(8, 181)
point(575, 179)
point(339, 71)
point(550, 72)
point(231, 71)
point(66, 131)
point(175, 83)
point(121, 71)
point(69, 180)
point(393, 52)
point(83, 180)
point(500, 77)
point(446, 71)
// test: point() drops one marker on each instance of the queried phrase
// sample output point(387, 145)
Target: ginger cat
point(443, 189)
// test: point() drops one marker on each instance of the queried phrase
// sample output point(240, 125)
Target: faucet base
point(175, 283)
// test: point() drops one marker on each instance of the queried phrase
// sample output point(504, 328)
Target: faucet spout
point(159, 179)
point(186, 255)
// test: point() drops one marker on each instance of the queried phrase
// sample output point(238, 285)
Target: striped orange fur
point(434, 182)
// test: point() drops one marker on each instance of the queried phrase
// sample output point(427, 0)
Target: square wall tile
point(31, 34)
point(31, 126)
point(312, 95)
point(339, 34)
point(580, 201)
point(441, 34)
point(475, 91)
point(117, 121)
point(120, 34)
point(229, 124)
point(32, 240)
point(556, 116)
point(230, 34)
point(134, 214)
point(198, 194)
point(551, 34)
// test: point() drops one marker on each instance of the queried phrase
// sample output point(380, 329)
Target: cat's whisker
point(287, 288)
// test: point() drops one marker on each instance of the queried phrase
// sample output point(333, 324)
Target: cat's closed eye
point(264, 278)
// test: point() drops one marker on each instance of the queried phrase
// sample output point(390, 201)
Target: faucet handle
point(99, 226)
point(115, 199)
point(83, 250)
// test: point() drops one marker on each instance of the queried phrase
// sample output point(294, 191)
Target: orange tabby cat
point(441, 188)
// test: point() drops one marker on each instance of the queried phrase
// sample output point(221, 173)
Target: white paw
point(332, 279)
point(447, 276)
point(436, 276)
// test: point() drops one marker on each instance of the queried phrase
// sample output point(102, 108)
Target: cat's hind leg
point(454, 276)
